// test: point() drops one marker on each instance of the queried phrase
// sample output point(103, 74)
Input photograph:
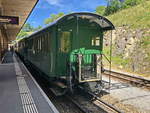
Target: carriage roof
point(103, 22)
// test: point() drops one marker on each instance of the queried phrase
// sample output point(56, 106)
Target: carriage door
point(64, 46)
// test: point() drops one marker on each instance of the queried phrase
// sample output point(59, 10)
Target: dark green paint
point(59, 43)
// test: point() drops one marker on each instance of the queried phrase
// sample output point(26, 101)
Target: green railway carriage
point(71, 44)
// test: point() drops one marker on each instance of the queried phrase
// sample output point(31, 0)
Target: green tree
point(53, 17)
point(28, 28)
point(37, 28)
point(113, 6)
point(129, 3)
point(100, 10)
point(132, 2)
point(116, 5)
point(22, 34)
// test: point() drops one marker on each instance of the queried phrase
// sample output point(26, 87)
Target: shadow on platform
point(8, 57)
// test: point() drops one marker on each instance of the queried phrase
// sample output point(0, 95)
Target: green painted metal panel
point(87, 54)
point(81, 35)
point(66, 38)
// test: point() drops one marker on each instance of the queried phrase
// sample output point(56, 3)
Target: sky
point(45, 8)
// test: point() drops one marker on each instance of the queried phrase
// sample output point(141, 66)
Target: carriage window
point(38, 43)
point(35, 45)
point(40, 48)
point(65, 42)
point(30, 43)
point(42, 41)
point(48, 41)
point(44, 45)
point(95, 41)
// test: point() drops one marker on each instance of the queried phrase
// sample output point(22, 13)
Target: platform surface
point(19, 92)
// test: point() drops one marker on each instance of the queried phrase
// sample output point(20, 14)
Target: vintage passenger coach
point(68, 51)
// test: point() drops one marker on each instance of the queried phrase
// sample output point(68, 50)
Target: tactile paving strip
point(25, 94)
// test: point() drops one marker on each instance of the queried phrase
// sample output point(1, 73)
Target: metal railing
point(89, 72)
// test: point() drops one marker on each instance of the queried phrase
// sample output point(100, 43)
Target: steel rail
point(127, 77)
point(78, 105)
point(101, 101)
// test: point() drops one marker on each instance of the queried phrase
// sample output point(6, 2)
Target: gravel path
point(128, 98)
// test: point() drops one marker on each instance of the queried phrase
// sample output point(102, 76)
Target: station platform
point(19, 92)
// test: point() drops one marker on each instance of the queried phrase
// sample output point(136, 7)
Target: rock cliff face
point(132, 46)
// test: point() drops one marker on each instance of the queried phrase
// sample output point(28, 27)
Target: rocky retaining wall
point(132, 45)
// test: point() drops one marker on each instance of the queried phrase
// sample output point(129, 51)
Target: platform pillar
point(3, 42)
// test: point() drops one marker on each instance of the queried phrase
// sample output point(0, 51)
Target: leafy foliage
point(145, 42)
point(27, 27)
point(116, 5)
point(37, 28)
point(113, 6)
point(135, 17)
point(117, 60)
point(22, 34)
point(100, 10)
point(132, 2)
point(53, 17)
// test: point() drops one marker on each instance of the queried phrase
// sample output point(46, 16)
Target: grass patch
point(135, 17)
point(116, 60)
point(145, 42)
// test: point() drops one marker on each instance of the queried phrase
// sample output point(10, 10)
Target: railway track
point(99, 107)
point(139, 81)
point(84, 106)
point(77, 104)
point(62, 103)
point(108, 108)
